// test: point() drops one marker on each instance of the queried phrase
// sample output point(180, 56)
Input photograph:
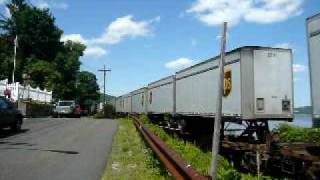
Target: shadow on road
point(37, 149)
point(4, 133)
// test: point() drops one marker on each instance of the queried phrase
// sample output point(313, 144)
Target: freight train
point(258, 87)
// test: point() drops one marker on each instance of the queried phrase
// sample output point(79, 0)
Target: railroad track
point(177, 166)
point(272, 158)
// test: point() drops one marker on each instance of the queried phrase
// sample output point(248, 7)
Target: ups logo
point(227, 83)
point(142, 100)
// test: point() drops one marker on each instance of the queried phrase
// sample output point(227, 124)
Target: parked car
point(10, 116)
point(66, 108)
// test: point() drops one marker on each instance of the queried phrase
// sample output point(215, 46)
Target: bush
point(192, 154)
point(289, 133)
point(107, 112)
point(35, 109)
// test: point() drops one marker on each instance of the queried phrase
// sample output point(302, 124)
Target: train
point(313, 36)
point(258, 85)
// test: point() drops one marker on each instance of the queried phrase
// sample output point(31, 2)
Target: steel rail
point(177, 166)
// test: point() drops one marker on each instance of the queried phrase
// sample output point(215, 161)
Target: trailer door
point(273, 83)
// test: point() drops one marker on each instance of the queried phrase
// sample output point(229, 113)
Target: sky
point(142, 41)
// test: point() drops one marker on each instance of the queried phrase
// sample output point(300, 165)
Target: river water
point(300, 120)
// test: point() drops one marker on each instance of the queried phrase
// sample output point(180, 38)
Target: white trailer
point(313, 32)
point(127, 103)
point(258, 85)
point(139, 101)
point(118, 104)
point(160, 96)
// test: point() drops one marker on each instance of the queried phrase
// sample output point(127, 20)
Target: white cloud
point(215, 12)
point(117, 31)
point(125, 27)
point(91, 50)
point(283, 45)
point(95, 51)
point(297, 68)
point(42, 4)
point(179, 63)
point(1, 1)
point(74, 38)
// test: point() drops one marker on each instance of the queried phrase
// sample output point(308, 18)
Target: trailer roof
point(229, 52)
point(316, 16)
point(138, 91)
point(168, 77)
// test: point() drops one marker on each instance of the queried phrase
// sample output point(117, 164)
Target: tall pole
point(104, 70)
point(14, 57)
point(104, 84)
point(217, 122)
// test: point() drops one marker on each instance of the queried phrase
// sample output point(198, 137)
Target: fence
point(25, 92)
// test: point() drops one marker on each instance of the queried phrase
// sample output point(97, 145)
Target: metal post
point(217, 122)
point(104, 85)
point(14, 57)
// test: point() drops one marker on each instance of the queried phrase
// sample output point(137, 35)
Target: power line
point(104, 70)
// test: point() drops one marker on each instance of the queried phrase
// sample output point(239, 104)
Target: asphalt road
point(56, 149)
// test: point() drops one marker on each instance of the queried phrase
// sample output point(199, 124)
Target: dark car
point(9, 115)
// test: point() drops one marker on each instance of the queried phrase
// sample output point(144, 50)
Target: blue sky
point(142, 41)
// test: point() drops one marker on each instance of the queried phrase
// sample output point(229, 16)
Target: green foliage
point(192, 154)
point(289, 133)
point(42, 73)
point(48, 62)
point(5, 58)
point(67, 64)
point(87, 89)
point(130, 157)
point(109, 112)
point(38, 36)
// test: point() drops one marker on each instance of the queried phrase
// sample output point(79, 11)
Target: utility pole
point(104, 70)
point(14, 57)
point(218, 116)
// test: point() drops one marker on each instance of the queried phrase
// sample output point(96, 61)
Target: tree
point(38, 36)
point(87, 89)
point(50, 63)
point(5, 59)
point(67, 63)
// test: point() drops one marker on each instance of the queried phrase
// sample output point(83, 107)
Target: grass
point(130, 157)
point(289, 133)
point(198, 159)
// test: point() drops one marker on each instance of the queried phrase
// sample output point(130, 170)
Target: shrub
point(289, 133)
point(192, 154)
point(107, 112)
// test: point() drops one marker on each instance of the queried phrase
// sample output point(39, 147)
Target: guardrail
point(177, 166)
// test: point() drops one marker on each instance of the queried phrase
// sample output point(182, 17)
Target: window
point(3, 104)
point(65, 103)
